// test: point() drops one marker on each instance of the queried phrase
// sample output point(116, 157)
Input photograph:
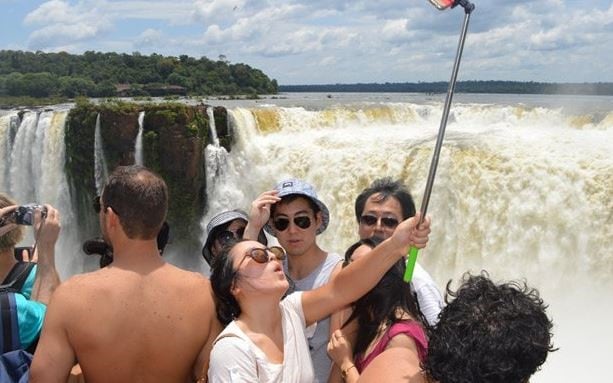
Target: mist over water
point(523, 191)
point(523, 188)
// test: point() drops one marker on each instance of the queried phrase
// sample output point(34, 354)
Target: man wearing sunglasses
point(294, 214)
point(139, 319)
point(379, 209)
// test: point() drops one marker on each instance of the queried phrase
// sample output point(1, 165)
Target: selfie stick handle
point(412, 256)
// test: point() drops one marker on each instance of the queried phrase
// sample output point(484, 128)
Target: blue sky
point(334, 41)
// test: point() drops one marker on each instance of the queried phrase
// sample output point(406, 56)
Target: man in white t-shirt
point(378, 210)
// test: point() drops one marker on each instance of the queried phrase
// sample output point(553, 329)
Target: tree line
point(601, 88)
point(98, 74)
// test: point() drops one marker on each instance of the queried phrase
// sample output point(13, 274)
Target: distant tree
point(97, 74)
point(76, 86)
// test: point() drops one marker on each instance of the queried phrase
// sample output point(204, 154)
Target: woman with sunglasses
point(386, 317)
point(224, 227)
point(293, 213)
point(265, 339)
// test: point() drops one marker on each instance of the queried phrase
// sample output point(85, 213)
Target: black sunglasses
point(260, 254)
point(226, 236)
point(370, 220)
point(302, 222)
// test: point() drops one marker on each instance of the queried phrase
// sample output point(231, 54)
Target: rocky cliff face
point(174, 137)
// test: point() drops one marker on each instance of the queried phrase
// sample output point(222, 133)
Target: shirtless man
point(139, 319)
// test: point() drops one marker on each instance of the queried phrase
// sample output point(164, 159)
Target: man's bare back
point(138, 319)
point(135, 326)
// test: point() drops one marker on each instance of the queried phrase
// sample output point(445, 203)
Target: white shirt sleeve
point(232, 361)
point(428, 295)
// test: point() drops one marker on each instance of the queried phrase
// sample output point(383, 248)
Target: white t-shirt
point(429, 297)
point(235, 358)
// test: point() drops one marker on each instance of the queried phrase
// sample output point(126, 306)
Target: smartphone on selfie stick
point(441, 5)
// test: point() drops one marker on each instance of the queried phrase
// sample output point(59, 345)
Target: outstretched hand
point(408, 233)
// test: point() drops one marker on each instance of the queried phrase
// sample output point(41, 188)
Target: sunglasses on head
point(260, 254)
point(371, 220)
point(302, 222)
point(227, 235)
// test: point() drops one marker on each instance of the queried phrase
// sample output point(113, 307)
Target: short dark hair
point(489, 333)
point(139, 197)
point(387, 187)
point(291, 198)
point(222, 279)
point(371, 242)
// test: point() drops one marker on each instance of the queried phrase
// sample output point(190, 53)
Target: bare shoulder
point(75, 286)
point(405, 368)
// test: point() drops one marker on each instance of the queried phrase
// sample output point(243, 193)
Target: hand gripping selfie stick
point(468, 8)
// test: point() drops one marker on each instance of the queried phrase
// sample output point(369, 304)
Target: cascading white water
point(138, 146)
point(213, 128)
point(523, 192)
point(215, 158)
point(21, 174)
point(100, 166)
point(6, 125)
point(37, 158)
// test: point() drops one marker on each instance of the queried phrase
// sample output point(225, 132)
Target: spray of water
point(138, 146)
point(523, 192)
point(100, 166)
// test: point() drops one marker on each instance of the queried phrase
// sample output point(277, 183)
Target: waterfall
point(23, 153)
point(100, 167)
point(215, 158)
point(6, 127)
point(213, 128)
point(36, 158)
point(138, 147)
point(523, 192)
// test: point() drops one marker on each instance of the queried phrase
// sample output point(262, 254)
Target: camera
point(24, 215)
point(98, 246)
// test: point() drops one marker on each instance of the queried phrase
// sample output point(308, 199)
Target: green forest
point(97, 74)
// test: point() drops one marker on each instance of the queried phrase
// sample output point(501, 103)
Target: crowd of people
point(277, 307)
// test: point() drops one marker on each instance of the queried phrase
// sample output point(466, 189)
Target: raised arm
point(260, 213)
point(46, 232)
point(362, 275)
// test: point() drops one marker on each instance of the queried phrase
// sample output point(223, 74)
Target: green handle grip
point(411, 259)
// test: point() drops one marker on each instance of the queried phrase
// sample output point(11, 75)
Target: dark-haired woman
point(386, 317)
point(265, 338)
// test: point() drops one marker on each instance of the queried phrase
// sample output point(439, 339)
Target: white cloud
point(219, 12)
point(149, 37)
point(62, 24)
point(356, 41)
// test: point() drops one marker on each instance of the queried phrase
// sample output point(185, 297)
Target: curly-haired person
point(487, 333)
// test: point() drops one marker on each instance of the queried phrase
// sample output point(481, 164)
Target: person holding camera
point(27, 282)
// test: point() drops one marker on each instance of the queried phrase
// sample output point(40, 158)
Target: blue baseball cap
point(295, 186)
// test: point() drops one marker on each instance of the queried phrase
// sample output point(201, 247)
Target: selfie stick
point(412, 256)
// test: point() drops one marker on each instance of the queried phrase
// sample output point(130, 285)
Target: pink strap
point(410, 328)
